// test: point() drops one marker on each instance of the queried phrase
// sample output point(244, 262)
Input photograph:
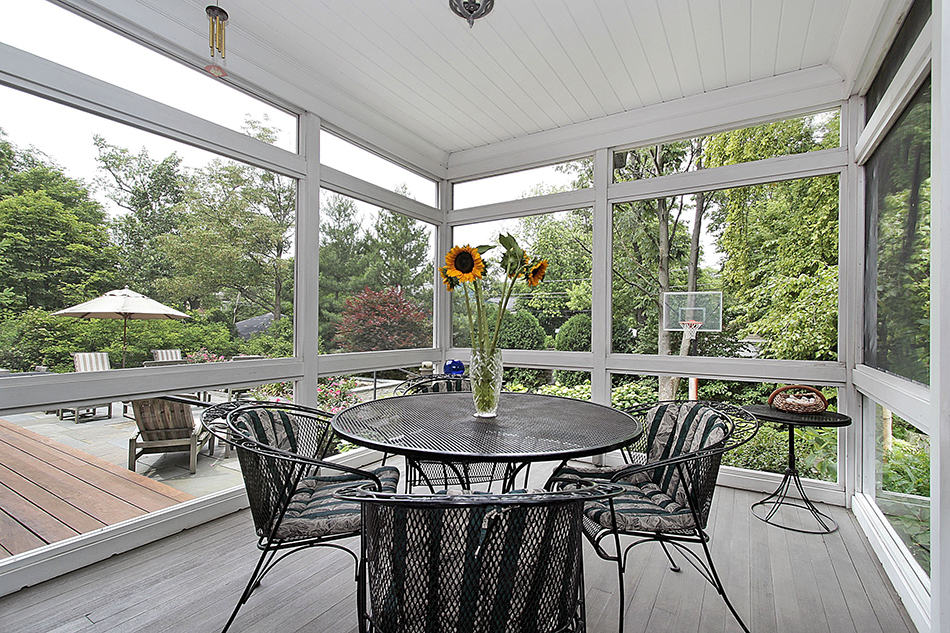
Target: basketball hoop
point(690, 328)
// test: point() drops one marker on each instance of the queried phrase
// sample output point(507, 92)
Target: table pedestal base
point(765, 509)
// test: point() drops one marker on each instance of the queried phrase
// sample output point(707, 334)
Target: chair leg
point(673, 565)
point(132, 454)
point(720, 588)
point(193, 455)
point(251, 585)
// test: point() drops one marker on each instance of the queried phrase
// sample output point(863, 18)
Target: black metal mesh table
point(528, 428)
point(771, 504)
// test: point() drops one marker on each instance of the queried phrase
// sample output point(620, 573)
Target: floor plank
point(191, 581)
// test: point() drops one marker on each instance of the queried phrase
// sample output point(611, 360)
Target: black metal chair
point(282, 449)
point(668, 485)
point(443, 475)
point(477, 562)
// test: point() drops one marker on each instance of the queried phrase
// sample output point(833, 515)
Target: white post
point(939, 320)
point(307, 261)
point(443, 299)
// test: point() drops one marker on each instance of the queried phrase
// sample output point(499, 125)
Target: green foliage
point(633, 392)
point(574, 335)
point(276, 342)
point(521, 330)
point(768, 451)
point(906, 467)
point(35, 337)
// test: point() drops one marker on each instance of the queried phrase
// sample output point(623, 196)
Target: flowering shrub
point(276, 391)
point(203, 356)
point(382, 320)
point(335, 394)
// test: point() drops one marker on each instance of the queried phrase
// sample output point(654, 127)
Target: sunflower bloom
point(535, 274)
point(464, 263)
point(451, 283)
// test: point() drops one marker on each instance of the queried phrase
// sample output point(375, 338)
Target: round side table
point(765, 509)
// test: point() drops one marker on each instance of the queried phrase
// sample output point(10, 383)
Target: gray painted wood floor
point(780, 581)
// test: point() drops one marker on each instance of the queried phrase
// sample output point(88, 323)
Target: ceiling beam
point(736, 106)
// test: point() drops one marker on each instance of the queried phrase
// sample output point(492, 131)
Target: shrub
point(573, 336)
point(382, 320)
point(522, 330)
point(277, 341)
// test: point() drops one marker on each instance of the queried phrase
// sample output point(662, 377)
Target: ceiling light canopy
point(471, 10)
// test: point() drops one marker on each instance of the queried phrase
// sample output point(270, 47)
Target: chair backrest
point(166, 354)
point(159, 419)
point(433, 384)
point(477, 563)
point(91, 361)
point(680, 428)
point(277, 432)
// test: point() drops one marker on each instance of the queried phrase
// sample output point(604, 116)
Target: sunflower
point(451, 283)
point(464, 263)
point(524, 266)
point(535, 274)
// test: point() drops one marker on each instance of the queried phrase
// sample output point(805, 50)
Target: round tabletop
point(823, 419)
point(529, 427)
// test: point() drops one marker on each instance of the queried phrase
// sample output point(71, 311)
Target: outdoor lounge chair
point(290, 487)
point(438, 475)
point(473, 562)
point(167, 426)
point(668, 487)
point(166, 354)
point(88, 361)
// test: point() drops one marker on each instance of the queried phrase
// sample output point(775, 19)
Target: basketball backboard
point(682, 307)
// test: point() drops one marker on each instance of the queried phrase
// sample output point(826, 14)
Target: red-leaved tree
point(380, 320)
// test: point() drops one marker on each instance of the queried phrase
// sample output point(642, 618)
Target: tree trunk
point(667, 384)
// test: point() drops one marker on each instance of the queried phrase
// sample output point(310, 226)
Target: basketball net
point(690, 328)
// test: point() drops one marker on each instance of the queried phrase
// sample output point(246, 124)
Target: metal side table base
point(766, 509)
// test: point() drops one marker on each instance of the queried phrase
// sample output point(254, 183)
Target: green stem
point(480, 307)
point(468, 306)
point(504, 292)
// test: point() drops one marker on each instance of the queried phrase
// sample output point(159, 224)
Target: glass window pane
point(376, 277)
point(88, 206)
point(903, 481)
point(554, 314)
point(49, 31)
point(897, 264)
point(352, 159)
point(768, 140)
point(527, 183)
point(816, 449)
point(557, 382)
point(778, 281)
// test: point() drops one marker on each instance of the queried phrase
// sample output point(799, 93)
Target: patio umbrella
point(122, 304)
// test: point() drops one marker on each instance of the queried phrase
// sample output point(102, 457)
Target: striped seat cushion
point(643, 508)
point(676, 429)
point(314, 512)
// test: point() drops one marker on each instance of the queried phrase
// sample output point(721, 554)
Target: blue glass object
point(454, 367)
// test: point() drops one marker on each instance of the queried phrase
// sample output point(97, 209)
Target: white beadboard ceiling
point(531, 65)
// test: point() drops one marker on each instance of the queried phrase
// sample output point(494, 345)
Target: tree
point(235, 238)
point(382, 320)
point(399, 254)
point(54, 248)
point(343, 252)
point(152, 192)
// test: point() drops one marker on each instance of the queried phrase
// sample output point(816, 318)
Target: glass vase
point(485, 372)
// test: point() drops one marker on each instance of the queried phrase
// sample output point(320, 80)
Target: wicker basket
point(798, 399)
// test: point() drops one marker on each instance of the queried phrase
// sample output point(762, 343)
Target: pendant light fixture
point(471, 10)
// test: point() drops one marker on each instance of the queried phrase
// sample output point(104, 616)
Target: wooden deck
point(781, 582)
point(50, 492)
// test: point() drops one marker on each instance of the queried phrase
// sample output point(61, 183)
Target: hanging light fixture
point(471, 10)
point(217, 20)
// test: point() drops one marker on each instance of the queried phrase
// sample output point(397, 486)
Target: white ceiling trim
point(736, 106)
point(880, 17)
point(270, 71)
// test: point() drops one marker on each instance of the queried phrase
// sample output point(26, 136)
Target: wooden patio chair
point(83, 362)
point(167, 426)
point(166, 354)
